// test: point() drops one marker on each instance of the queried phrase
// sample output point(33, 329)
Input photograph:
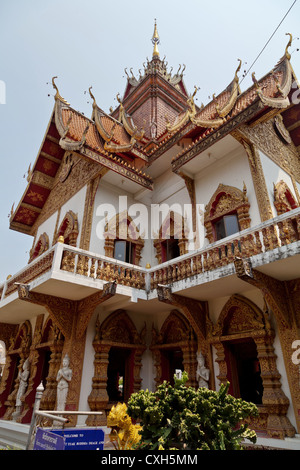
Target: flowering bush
point(185, 418)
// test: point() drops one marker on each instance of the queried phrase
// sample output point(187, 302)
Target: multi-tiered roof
point(155, 113)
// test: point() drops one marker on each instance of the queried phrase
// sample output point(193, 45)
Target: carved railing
point(102, 267)
point(275, 233)
point(278, 232)
point(34, 270)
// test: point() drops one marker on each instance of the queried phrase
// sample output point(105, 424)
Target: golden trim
point(235, 90)
point(258, 178)
point(88, 212)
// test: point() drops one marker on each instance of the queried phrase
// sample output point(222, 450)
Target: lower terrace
point(273, 247)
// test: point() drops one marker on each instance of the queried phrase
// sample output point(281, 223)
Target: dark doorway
point(169, 249)
point(124, 251)
point(118, 374)
point(226, 226)
point(45, 370)
point(172, 361)
point(245, 371)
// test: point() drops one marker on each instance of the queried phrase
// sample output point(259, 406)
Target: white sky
point(90, 43)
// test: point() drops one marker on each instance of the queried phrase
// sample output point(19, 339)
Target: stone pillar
point(48, 399)
point(220, 350)
point(157, 364)
point(137, 365)
point(98, 399)
point(276, 402)
point(189, 351)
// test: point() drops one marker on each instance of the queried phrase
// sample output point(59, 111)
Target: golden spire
point(155, 42)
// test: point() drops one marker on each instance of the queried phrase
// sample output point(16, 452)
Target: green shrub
point(182, 417)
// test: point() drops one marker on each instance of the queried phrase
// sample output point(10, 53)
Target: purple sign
point(46, 440)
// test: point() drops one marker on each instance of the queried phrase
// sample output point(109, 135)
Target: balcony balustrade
point(275, 233)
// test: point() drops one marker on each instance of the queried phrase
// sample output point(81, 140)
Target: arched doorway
point(49, 351)
point(244, 370)
point(119, 374)
point(118, 350)
point(171, 363)
point(174, 349)
point(16, 355)
point(243, 339)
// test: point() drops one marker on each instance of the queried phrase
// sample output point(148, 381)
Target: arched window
point(40, 247)
point(226, 226)
point(68, 229)
point(124, 250)
point(284, 200)
point(122, 239)
point(226, 213)
point(171, 241)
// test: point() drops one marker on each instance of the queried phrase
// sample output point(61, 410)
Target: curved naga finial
point(58, 96)
point(287, 54)
point(91, 95)
point(191, 102)
point(238, 69)
point(255, 81)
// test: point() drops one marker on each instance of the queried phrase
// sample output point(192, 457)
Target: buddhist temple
point(161, 231)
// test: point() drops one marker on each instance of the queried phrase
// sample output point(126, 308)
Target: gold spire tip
point(155, 41)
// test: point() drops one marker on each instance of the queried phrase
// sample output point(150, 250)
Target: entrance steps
point(289, 443)
point(13, 435)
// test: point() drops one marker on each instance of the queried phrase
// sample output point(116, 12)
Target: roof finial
point(155, 41)
point(57, 95)
point(287, 54)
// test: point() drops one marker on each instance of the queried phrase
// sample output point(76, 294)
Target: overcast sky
point(90, 43)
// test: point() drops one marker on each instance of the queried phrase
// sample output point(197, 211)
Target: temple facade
point(165, 238)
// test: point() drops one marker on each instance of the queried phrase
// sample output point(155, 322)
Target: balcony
point(64, 271)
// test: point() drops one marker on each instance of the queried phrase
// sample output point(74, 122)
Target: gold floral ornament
point(124, 434)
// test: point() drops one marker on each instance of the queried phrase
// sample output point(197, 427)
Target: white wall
point(168, 189)
point(47, 227)
point(273, 174)
point(75, 204)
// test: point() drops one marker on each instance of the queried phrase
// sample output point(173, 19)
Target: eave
point(266, 98)
point(40, 181)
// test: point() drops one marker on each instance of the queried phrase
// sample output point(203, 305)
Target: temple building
point(165, 238)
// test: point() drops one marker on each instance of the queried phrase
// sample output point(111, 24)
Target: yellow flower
point(124, 434)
